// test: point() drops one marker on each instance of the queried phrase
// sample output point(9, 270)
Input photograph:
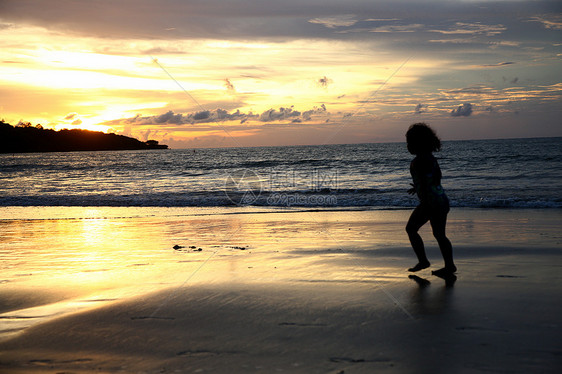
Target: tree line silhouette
point(28, 138)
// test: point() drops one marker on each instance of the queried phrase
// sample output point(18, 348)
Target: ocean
point(514, 173)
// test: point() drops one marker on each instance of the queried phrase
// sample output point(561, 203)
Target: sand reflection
point(106, 254)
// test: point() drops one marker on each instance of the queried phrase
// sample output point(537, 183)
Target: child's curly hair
point(422, 139)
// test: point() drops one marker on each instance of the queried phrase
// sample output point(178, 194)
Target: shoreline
point(8, 212)
point(298, 291)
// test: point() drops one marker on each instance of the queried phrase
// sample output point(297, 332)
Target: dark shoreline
point(29, 139)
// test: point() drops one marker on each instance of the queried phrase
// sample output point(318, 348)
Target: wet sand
point(296, 292)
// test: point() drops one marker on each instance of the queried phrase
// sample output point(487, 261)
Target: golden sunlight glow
point(84, 60)
point(69, 79)
point(95, 231)
point(230, 44)
point(92, 127)
point(47, 73)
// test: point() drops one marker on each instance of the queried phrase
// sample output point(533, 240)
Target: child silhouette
point(434, 204)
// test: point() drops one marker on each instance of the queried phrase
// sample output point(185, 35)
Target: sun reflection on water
point(110, 254)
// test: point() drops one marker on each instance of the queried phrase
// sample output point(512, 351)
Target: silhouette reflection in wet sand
point(449, 279)
point(427, 300)
point(434, 204)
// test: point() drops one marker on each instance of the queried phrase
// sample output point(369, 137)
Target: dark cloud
point(242, 19)
point(169, 117)
point(220, 115)
point(512, 81)
point(70, 116)
point(201, 116)
point(324, 82)
point(498, 64)
point(420, 108)
point(281, 114)
point(229, 86)
point(464, 110)
point(309, 113)
point(295, 116)
point(290, 114)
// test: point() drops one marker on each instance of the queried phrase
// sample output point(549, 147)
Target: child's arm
point(412, 191)
point(421, 174)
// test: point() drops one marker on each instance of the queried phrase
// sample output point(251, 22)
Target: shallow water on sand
point(63, 259)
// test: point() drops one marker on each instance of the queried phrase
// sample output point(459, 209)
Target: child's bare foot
point(419, 266)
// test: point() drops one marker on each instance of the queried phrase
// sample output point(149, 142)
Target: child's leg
point(418, 218)
point(438, 223)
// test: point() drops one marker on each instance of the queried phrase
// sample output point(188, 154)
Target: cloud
point(335, 21)
point(229, 86)
point(464, 110)
point(498, 64)
point(290, 114)
point(73, 118)
point(169, 117)
point(207, 116)
point(398, 28)
point(161, 51)
point(555, 24)
point(307, 115)
point(386, 29)
point(244, 19)
point(476, 28)
point(203, 116)
point(324, 82)
point(479, 89)
point(504, 43)
point(381, 19)
point(275, 115)
point(420, 108)
point(221, 115)
point(453, 41)
point(270, 48)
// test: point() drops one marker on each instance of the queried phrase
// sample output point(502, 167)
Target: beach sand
point(271, 291)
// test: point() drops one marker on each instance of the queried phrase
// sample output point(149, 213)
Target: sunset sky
point(215, 73)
